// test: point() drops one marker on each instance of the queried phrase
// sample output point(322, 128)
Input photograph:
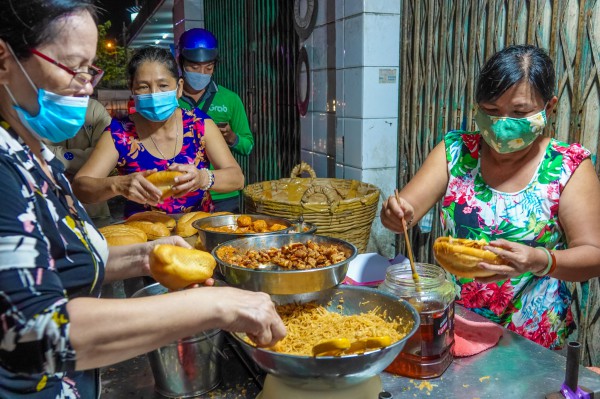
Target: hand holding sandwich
point(518, 259)
point(191, 179)
point(136, 187)
point(488, 262)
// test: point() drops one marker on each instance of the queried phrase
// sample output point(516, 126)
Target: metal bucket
point(188, 367)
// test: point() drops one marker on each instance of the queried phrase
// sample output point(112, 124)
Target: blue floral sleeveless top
point(536, 307)
point(134, 157)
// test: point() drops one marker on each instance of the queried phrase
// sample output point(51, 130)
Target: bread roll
point(184, 226)
point(177, 267)
point(154, 231)
point(154, 217)
point(121, 234)
point(460, 256)
point(164, 181)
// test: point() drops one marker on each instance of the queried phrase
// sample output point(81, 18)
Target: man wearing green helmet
point(198, 56)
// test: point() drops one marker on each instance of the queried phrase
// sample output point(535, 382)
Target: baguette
point(154, 217)
point(184, 226)
point(460, 256)
point(177, 267)
point(154, 231)
point(164, 181)
point(120, 234)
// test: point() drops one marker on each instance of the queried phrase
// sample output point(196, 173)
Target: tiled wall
point(354, 58)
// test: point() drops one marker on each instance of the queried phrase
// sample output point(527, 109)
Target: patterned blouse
point(134, 157)
point(536, 307)
point(50, 252)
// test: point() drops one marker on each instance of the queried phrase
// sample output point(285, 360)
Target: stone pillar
point(363, 100)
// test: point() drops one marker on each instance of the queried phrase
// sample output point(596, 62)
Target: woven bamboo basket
point(340, 208)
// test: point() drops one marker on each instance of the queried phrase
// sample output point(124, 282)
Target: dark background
point(116, 12)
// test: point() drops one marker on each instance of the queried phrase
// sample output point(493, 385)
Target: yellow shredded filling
point(309, 324)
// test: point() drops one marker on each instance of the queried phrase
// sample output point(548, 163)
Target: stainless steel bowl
point(329, 372)
point(274, 280)
point(303, 227)
point(211, 239)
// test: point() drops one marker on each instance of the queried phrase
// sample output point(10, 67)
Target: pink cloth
point(473, 337)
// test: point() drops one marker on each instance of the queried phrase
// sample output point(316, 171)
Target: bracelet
point(211, 179)
point(551, 263)
point(554, 264)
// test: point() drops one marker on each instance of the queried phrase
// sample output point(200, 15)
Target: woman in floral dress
point(511, 186)
point(159, 136)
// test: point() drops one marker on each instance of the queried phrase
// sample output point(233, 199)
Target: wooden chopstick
point(415, 275)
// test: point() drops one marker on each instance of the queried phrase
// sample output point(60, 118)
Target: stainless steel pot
point(187, 367)
point(211, 239)
point(329, 372)
point(274, 280)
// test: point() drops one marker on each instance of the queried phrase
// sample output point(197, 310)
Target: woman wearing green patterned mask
point(536, 200)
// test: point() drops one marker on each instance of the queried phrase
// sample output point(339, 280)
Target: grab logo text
point(218, 108)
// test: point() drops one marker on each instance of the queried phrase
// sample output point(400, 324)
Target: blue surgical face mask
point(59, 117)
point(156, 107)
point(196, 80)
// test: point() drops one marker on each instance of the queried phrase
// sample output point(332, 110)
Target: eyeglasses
point(80, 78)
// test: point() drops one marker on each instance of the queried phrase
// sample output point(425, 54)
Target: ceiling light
point(165, 36)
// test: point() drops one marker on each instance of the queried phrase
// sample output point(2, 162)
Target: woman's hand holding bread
point(191, 179)
point(136, 187)
point(487, 262)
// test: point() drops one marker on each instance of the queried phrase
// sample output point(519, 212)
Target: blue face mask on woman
point(156, 107)
point(196, 80)
point(59, 117)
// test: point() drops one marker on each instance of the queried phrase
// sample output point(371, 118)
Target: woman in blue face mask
point(159, 136)
point(536, 200)
point(56, 331)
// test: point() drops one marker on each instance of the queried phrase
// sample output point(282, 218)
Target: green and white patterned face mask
point(506, 135)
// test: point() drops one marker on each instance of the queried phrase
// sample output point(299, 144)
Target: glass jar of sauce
point(427, 353)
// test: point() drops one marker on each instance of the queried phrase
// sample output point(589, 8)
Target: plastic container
point(187, 367)
point(427, 353)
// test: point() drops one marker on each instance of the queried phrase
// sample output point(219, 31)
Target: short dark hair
point(26, 24)
point(512, 65)
point(151, 54)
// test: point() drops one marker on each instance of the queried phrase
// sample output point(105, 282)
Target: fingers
point(136, 188)
point(189, 181)
point(269, 336)
point(179, 241)
point(505, 270)
point(253, 313)
point(392, 213)
point(173, 240)
point(209, 282)
point(148, 172)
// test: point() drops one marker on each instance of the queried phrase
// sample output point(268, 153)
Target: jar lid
point(430, 276)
